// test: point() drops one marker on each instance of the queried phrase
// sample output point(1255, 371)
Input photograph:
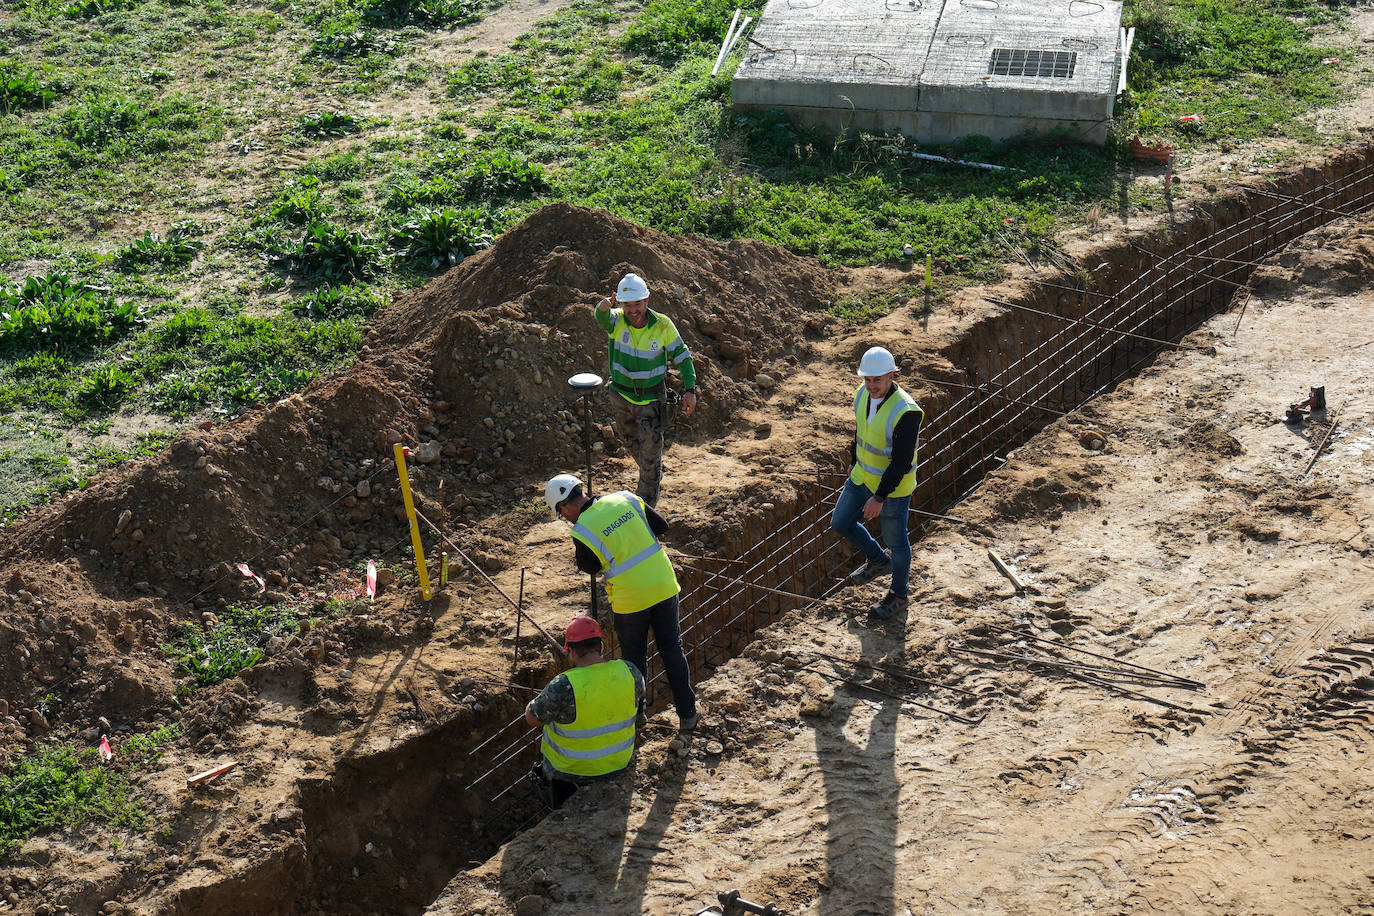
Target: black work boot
point(891, 604)
point(871, 570)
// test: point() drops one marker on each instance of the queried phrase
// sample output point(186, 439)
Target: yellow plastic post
point(426, 592)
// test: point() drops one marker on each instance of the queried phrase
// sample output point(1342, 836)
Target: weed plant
point(179, 247)
point(439, 239)
point(58, 316)
point(21, 89)
point(321, 124)
point(58, 787)
point(220, 651)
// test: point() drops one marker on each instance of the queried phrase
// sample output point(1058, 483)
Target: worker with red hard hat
point(588, 716)
point(883, 477)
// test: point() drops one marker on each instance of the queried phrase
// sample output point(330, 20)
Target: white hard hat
point(558, 489)
point(632, 289)
point(877, 361)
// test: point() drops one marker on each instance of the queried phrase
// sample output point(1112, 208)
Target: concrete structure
point(936, 70)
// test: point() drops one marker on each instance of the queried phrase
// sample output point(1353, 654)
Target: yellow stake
point(426, 592)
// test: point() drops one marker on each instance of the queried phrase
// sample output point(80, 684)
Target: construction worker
point(882, 478)
point(618, 534)
point(643, 344)
point(588, 716)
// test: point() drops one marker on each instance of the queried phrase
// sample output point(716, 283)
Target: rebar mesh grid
point(1041, 368)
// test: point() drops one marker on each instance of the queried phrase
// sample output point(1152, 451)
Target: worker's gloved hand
point(689, 403)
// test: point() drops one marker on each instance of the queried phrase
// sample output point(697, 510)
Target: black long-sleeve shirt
point(589, 562)
point(904, 436)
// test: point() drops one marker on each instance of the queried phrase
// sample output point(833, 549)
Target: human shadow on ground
point(857, 761)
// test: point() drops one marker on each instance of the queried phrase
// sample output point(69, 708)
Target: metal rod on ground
point(1301, 203)
point(1094, 324)
point(763, 588)
point(688, 556)
point(458, 550)
point(989, 393)
point(896, 672)
point(1317, 454)
point(1198, 685)
point(500, 683)
point(1089, 679)
point(1073, 666)
point(896, 696)
point(958, 521)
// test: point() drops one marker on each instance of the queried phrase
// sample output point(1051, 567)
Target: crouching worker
point(588, 716)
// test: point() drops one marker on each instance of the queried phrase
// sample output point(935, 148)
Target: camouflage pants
point(640, 427)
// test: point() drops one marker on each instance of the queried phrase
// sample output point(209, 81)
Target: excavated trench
point(386, 833)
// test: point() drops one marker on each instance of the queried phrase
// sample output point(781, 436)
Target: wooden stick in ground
point(1317, 454)
point(212, 773)
point(1006, 570)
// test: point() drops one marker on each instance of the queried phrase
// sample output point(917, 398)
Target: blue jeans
point(847, 520)
point(633, 632)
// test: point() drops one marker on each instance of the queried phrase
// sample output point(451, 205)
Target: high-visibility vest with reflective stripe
point(874, 441)
point(638, 572)
point(640, 356)
point(602, 738)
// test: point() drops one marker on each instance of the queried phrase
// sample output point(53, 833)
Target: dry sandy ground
point(1193, 544)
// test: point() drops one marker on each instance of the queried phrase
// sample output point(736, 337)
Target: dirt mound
point(503, 332)
point(1331, 257)
point(475, 363)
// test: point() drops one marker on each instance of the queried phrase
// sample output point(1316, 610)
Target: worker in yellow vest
point(882, 479)
point(617, 534)
point(588, 716)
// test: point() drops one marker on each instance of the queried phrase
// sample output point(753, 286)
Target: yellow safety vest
point(638, 572)
point(601, 739)
point(874, 451)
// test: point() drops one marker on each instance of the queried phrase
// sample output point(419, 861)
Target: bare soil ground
point(1192, 543)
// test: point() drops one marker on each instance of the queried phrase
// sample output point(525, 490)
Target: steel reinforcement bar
point(1015, 380)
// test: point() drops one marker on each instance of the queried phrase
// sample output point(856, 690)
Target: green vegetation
point(61, 787)
point(196, 215)
point(1249, 68)
point(220, 651)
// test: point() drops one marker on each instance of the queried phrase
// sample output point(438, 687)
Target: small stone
point(364, 489)
point(676, 743)
point(284, 815)
point(714, 747)
point(124, 518)
point(427, 452)
point(530, 905)
point(765, 381)
point(172, 862)
point(682, 751)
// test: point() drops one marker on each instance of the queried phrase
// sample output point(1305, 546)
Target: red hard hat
point(581, 627)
